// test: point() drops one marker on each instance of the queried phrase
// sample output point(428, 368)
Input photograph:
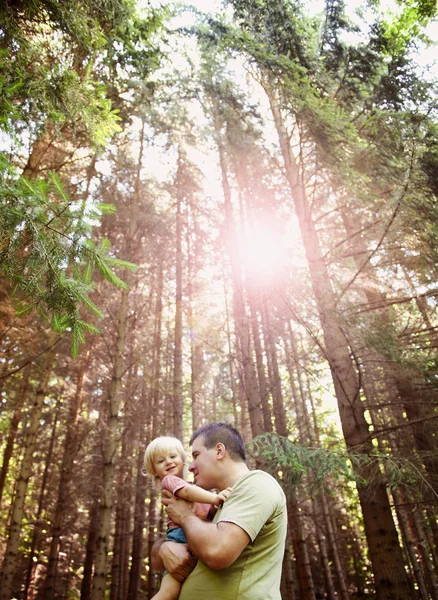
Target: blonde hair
point(162, 444)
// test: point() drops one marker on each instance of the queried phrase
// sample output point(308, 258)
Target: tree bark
point(90, 551)
point(247, 375)
point(322, 544)
point(274, 373)
point(287, 580)
point(119, 565)
point(12, 546)
point(152, 537)
point(391, 580)
point(36, 536)
point(39, 150)
point(263, 384)
point(397, 377)
point(13, 428)
point(69, 452)
point(301, 553)
point(137, 536)
point(177, 357)
point(110, 446)
point(156, 362)
point(403, 520)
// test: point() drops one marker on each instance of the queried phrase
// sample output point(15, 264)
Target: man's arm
point(217, 545)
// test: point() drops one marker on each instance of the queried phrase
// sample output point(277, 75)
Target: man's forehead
point(198, 444)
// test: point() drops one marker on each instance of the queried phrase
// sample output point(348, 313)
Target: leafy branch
point(288, 461)
point(47, 255)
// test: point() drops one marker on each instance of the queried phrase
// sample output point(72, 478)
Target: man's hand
point(177, 508)
point(177, 560)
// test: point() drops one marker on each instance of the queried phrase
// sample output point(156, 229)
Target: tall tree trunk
point(137, 536)
point(110, 445)
point(12, 546)
point(90, 551)
point(36, 536)
point(296, 531)
point(69, 452)
point(232, 358)
point(287, 580)
point(39, 149)
point(263, 384)
point(310, 435)
point(248, 374)
point(271, 354)
point(119, 566)
point(322, 544)
point(386, 556)
point(405, 526)
point(142, 437)
point(194, 251)
point(301, 552)
point(424, 550)
point(177, 357)
point(396, 376)
point(152, 537)
point(13, 428)
point(156, 362)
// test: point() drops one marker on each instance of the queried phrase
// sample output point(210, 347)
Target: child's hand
point(223, 495)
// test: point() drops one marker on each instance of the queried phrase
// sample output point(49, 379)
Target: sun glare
point(262, 251)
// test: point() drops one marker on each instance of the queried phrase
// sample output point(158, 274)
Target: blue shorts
point(175, 534)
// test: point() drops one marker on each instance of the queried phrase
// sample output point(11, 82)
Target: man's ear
point(220, 450)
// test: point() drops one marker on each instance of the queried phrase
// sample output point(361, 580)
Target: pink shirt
point(172, 484)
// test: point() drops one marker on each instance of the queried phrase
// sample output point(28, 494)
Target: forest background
point(218, 216)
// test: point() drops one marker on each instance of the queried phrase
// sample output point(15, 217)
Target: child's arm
point(194, 493)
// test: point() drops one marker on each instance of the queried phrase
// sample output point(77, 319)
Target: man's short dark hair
point(226, 434)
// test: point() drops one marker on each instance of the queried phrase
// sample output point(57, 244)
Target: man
point(240, 552)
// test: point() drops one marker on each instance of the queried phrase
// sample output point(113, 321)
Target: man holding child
point(240, 552)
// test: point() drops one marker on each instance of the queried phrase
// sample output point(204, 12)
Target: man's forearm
point(203, 538)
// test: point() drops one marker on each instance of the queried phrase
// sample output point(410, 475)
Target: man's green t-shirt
point(257, 505)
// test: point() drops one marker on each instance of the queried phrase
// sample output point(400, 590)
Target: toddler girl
point(165, 459)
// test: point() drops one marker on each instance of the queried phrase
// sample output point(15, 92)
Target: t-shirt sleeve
point(251, 504)
point(172, 484)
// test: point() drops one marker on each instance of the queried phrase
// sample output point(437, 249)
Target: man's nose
point(191, 466)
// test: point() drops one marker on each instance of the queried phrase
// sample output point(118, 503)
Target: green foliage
point(288, 461)
point(61, 62)
point(46, 253)
point(84, 22)
point(58, 94)
point(339, 100)
point(380, 333)
point(321, 116)
point(277, 454)
point(408, 23)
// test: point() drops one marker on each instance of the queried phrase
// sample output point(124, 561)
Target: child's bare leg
point(169, 589)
